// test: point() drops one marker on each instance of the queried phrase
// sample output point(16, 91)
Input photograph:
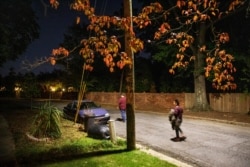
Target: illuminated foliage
point(219, 64)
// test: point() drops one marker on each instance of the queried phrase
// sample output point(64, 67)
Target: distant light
point(3, 88)
point(52, 88)
point(17, 89)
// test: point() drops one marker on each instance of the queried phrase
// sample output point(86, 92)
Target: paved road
point(208, 143)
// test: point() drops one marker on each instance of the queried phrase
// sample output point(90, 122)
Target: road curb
point(221, 121)
point(203, 118)
point(162, 156)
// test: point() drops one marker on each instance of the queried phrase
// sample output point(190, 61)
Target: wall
point(162, 102)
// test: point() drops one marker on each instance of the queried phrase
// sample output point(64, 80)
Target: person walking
point(178, 112)
point(122, 107)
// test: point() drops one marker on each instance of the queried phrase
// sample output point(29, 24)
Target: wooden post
point(129, 78)
point(112, 130)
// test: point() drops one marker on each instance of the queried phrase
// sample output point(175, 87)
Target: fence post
point(112, 131)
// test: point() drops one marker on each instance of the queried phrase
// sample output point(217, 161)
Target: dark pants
point(177, 128)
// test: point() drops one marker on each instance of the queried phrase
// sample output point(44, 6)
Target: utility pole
point(129, 78)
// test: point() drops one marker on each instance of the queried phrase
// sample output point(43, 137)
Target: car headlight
point(107, 115)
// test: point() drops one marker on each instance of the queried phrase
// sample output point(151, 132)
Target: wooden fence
point(162, 102)
point(231, 102)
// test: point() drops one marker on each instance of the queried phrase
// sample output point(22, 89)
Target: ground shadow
point(36, 160)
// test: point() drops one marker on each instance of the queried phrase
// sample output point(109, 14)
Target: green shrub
point(47, 122)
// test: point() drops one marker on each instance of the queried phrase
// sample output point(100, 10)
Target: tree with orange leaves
point(185, 25)
point(188, 25)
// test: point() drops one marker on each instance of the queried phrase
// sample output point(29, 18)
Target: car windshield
point(87, 105)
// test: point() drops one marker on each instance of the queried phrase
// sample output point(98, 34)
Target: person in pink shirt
point(122, 107)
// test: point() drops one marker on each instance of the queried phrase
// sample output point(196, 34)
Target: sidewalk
point(242, 119)
point(7, 149)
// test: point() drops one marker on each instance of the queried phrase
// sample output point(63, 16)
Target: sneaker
point(176, 139)
point(183, 137)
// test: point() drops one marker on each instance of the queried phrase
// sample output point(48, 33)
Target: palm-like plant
point(47, 122)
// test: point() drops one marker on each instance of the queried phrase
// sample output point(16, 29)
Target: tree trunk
point(201, 102)
point(129, 78)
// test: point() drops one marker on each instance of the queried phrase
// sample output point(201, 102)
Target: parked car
point(88, 109)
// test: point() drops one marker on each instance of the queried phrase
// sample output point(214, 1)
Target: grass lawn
point(73, 148)
point(123, 159)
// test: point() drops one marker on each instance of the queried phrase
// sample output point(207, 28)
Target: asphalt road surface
point(208, 143)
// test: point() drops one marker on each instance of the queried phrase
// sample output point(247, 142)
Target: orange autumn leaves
point(219, 63)
point(183, 41)
point(57, 52)
point(220, 66)
point(54, 3)
point(108, 47)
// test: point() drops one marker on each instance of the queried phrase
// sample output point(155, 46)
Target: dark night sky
point(52, 28)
